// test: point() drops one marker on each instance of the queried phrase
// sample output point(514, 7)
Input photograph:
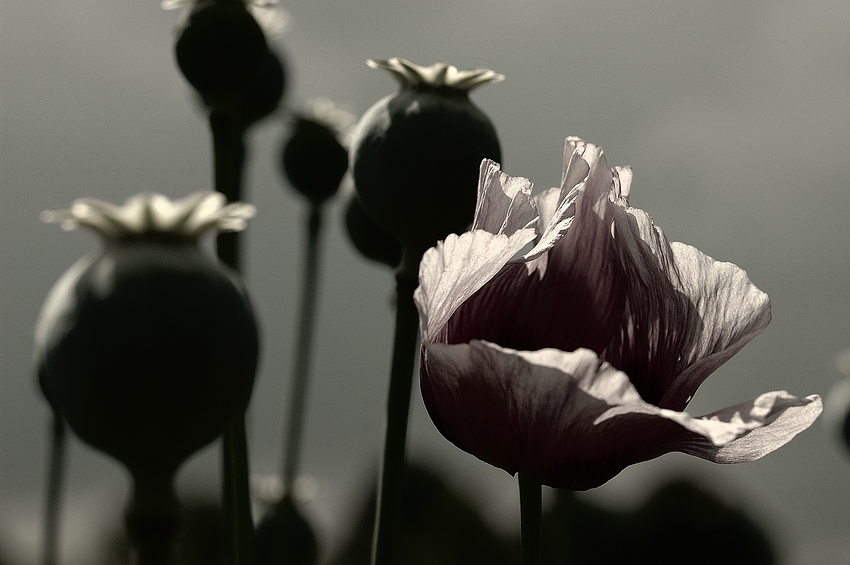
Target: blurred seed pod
point(284, 536)
point(147, 346)
point(836, 410)
point(263, 97)
point(314, 157)
point(221, 48)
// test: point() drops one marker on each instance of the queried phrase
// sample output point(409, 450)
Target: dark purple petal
point(658, 320)
point(569, 421)
point(457, 267)
point(521, 416)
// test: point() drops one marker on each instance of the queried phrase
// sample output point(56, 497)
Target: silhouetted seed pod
point(836, 409)
point(370, 239)
point(415, 154)
point(285, 537)
point(147, 346)
point(221, 48)
point(315, 156)
point(264, 94)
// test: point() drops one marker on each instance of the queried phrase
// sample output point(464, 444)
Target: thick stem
point(228, 162)
point(54, 490)
point(531, 510)
point(229, 159)
point(152, 519)
point(398, 408)
point(303, 349)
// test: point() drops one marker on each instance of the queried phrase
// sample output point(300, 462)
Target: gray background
point(733, 114)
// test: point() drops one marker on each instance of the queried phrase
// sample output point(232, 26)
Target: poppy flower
point(578, 359)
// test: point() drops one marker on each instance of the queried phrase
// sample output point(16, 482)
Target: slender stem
point(303, 349)
point(229, 158)
point(530, 509)
point(54, 491)
point(398, 408)
point(237, 501)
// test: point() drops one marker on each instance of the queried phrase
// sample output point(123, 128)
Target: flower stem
point(303, 349)
point(54, 490)
point(398, 408)
point(229, 159)
point(531, 508)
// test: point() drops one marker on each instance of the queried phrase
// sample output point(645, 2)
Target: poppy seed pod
point(415, 154)
point(264, 94)
point(221, 48)
point(314, 157)
point(148, 347)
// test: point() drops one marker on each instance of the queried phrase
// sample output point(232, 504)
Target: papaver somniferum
point(578, 359)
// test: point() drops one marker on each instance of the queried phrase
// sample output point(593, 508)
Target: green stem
point(398, 408)
point(531, 509)
point(54, 491)
point(229, 158)
point(303, 349)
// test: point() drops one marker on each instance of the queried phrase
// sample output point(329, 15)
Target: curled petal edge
point(780, 416)
point(732, 311)
point(699, 309)
point(504, 204)
point(720, 428)
point(456, 268)
point(575, 422)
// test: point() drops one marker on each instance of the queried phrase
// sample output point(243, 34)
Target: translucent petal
point(455, 269)
point(686, 313)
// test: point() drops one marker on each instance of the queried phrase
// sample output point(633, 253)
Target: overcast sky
point(734, 115)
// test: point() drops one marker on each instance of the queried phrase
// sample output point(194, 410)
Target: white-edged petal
point(456, 268)
point(585, 172)
point(686, 313)
point(504, 203)
point(773, 419)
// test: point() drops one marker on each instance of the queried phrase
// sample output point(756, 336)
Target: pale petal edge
point(731, 309)
point(456, 268)
point(504, 203)
point(785, 417)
